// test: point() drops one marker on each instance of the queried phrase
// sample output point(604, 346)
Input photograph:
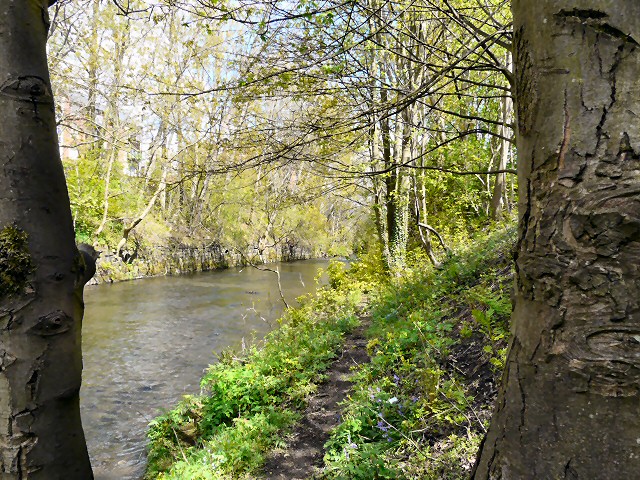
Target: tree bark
point(569, 403)
point(41, 435)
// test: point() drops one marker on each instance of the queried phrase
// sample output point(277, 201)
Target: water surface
point(146, 343)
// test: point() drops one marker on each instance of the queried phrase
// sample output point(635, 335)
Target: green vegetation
point(249, 401)
point(437, 346)
point(244, 131)
point(417, 410)
point(374, 137)
point(374, 142)
point(15, 260)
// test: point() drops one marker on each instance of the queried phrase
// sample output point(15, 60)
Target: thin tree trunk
point(569, 404)
point(163, 182)
point(107, 191)
point(389, 180)
point(378, 211)
point(150, 204)
point(41, 436)
point(398, 198)
point(421, 212)
point(92, 71)
point(437, 234)
point(498, 199)
point(112, 115)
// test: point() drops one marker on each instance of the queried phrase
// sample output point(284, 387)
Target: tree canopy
point(380, 116)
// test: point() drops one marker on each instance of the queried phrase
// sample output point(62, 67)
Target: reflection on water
point(146, 343)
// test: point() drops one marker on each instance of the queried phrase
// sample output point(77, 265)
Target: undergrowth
point(418, 410)
point(248, 403)
point(437, 343)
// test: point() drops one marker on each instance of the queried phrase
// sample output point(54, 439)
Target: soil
point(303, 456)
point(469, 359)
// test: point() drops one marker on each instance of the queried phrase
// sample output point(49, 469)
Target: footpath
point(303, 456)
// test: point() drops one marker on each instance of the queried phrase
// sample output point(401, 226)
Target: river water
point(146, 343)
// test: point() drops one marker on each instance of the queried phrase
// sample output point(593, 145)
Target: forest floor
point(305, 446)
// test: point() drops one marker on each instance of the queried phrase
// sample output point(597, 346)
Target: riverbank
point(418, 409)
point(178, 258)
point(252, 399)
point(147, 343)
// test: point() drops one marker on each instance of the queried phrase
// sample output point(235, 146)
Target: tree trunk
point(397, 196)
point(107, 192)
point(569, 404)
point(425, 238)
point(136, 221)
point(420, 206)
point(93, 71)
point(41, 306)
point(389, 180)
point(499, 197)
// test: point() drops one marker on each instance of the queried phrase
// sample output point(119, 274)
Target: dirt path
point(303, 457)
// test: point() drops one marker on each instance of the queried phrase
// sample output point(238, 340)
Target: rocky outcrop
point(178, 258)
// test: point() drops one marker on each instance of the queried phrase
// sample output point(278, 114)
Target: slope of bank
point(418, 409)
point(437, 343)
point(251, 400)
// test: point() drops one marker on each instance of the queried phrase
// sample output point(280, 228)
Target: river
point(146, 343)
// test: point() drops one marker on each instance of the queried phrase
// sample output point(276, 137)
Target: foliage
point(184, 166)
point(248, 403)
point(490, 318)
point(363, 275)
point(413, 412)
point(222, 141)
point(15, 260)
point(353, 148)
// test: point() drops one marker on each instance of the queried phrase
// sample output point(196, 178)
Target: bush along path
point(417, 410)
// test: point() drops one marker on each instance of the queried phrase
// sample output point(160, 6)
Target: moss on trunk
point(15, 260)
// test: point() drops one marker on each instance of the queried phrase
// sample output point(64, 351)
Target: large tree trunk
point(41, 434)
point(569, 405)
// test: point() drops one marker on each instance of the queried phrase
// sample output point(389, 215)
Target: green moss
point(15, 260)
